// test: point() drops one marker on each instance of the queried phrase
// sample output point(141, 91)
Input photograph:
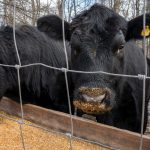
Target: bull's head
point(98, 39)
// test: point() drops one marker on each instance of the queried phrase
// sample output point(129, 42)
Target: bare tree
point(59, 7)
point(27, 11)
point(117, 5)
point(137, 7)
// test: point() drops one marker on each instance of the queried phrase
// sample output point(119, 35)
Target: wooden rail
point(87, 129)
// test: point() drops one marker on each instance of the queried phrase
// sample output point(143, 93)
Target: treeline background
point(28, 11)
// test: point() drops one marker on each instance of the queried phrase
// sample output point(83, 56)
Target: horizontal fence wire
point(66, 70)
point(138, 76)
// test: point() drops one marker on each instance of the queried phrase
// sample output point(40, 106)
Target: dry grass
point(36, 139)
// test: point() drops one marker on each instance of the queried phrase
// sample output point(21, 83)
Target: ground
point(36, 138)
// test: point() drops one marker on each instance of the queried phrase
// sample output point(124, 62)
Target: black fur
point(39, 84)
point(52, 25)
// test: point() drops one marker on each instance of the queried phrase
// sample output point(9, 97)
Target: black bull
point(102, 40)
point(40, 85)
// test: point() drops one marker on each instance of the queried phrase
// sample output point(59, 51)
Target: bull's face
point(97, 42)
point(96, 50)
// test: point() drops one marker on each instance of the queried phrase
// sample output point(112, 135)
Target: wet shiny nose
point(96, 95)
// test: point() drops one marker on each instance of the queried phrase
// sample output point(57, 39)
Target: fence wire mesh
point(65, 70)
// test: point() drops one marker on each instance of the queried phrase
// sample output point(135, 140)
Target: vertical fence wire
point(14, 29)
point(144, 79)
point(21, 122)
point(65, 71)
point(18, 75)
point(63, 32)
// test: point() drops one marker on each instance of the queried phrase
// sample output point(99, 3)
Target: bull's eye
point(118, 49)
point(119, 52)
point(121, 47)
point(76, 52)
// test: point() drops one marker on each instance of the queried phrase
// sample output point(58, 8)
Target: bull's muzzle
point(93, 100)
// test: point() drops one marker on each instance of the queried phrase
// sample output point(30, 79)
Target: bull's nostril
point(87, 98)
point(98, 99)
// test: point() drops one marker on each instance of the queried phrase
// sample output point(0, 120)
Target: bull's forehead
point(100, 18)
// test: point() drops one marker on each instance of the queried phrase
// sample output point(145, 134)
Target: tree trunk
point(59, 7)
point(117, 4)
point(137, 7)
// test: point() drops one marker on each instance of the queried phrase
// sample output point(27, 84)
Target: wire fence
point(65, 70)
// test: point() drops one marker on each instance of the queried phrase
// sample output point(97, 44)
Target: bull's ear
point(52, 26)
point(135, 28)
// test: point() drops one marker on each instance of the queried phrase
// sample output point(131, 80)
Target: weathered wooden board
point(148, 124)
point(83, 128)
